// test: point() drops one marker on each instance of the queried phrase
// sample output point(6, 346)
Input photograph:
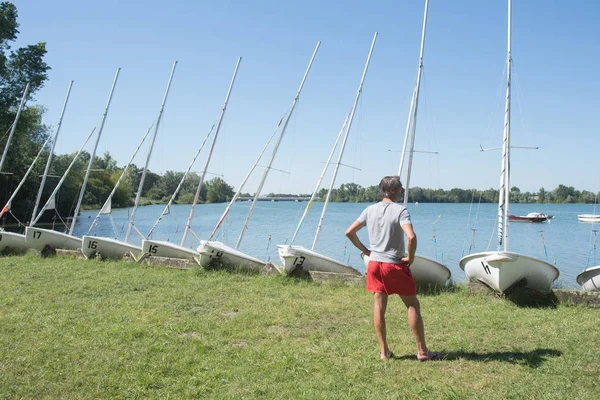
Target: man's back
point(384, 221)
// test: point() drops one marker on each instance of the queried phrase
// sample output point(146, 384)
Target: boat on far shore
point(531, 217)
point(588, 217)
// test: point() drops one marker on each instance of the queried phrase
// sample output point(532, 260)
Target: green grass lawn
point(91, 329)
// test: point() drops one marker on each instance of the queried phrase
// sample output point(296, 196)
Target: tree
point(218, 191)
point(17, 68)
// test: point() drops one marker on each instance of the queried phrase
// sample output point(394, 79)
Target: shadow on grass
point(230, 268)
point(523, 297)
point(532, 359)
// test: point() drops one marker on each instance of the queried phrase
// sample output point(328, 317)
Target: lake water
point(444, 230)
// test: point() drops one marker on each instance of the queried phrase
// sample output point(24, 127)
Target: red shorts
point(390, 279)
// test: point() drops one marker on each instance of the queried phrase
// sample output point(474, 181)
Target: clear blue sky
point(556, 52)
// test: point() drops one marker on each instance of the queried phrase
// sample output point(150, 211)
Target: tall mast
point(415, 108)
point(339, 160)
point(143, 178)
point(504, 198)
point(14, 194)
point(181, 182)
point(114, 190)
point(237, 194)
point(14, 125)
point(212, 147)
point(51, 154)
point(314, 193)
point(266, 173)
point(34, 218)
point(87, 172)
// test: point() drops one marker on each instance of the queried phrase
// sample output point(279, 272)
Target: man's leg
point(381, 300)
point(416, 323)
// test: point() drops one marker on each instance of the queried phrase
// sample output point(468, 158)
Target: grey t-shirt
point(384, 222)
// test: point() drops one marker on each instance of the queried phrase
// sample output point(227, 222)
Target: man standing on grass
point(388, 271)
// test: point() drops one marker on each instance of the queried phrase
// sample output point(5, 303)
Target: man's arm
point(351, 234)
point(411, 243)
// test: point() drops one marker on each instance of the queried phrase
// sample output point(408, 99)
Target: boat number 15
point(298, 261)
point(153, 248)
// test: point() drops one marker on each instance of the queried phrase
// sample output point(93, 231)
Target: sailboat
point(114, 248)
point(212, 251)
point(12, 241)
point(502, 269)
point(296, 257)
point(426, 271)
point(159, 248)
point(15, 242)
point(589, 279)
point(39, 238)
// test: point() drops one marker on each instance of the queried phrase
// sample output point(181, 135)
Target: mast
point(14, 194)
point(112, 193)
point(51, 155)
point(143, 178)
point(415, 108)
point(181, 182)
point(339, 160)
point(36, 218)
point(212, 147)
point(504, 198)
point(407, 134)
point(93, 155)
point(14, 125)
point(266, 173)
point(314, 193)
point(237, 194)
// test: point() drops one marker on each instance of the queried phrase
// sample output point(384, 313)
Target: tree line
point(352, 192)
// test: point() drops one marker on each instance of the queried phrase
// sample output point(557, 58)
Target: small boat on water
point(588, 217)
point(531, 217)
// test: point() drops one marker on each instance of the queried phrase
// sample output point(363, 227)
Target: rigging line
point(468, 222)
point(501, 86)
point(8, 130)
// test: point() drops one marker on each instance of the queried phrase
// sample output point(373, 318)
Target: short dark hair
point(388, 183)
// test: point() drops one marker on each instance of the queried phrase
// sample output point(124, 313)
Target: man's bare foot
point(431, 356)
point(386, 356)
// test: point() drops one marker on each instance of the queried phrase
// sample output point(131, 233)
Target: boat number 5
point(486, 268)
point(299, 263)
point(93, 245)
point(153, 248)
point(37, 234)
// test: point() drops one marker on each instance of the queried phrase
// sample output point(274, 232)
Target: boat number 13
point(299, 263)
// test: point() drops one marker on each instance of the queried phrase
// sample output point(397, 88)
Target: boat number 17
point(298, 261)
point(37, 234)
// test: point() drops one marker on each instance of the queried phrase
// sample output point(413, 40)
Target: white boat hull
point(294, 257)
point(159, 248)
point(425, 271)
point(588, 218)
point(108, 248)
point(502, 270)
point(38, 239)
point(13, 242)
point(590, 279)
point(219, 252)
